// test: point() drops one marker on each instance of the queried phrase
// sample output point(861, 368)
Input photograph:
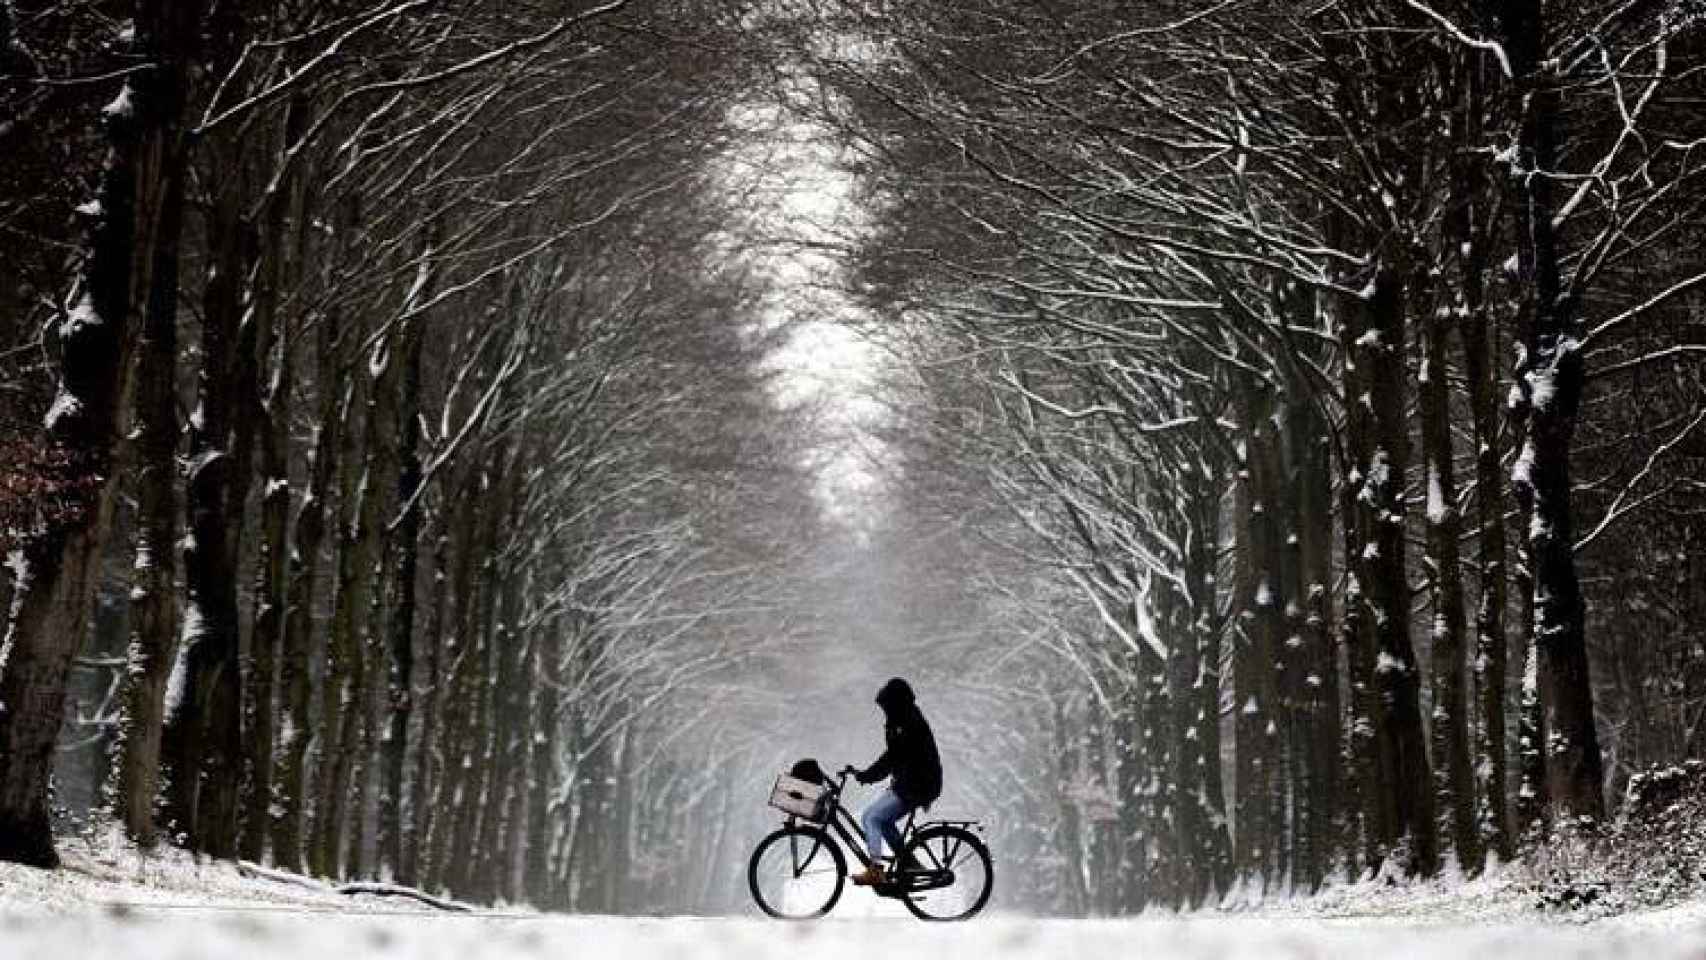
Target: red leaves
point(43, 487)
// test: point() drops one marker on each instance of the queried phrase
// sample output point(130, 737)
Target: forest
point(1279, 455)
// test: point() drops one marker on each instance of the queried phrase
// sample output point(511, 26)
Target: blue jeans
point(879, 821)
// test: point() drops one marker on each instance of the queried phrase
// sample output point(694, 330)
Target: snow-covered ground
point(173, 909)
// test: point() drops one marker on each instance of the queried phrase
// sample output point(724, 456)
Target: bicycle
point(942, 872)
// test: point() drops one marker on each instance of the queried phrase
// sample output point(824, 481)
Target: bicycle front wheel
point(797, 873)
point(957, 865)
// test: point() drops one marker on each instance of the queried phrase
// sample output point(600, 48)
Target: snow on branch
point(1152, 642)
point(250, 869)
point(1657, 299)
point(393, 890)
point(254, 870)
point(1490, 46)
point(1620, 507)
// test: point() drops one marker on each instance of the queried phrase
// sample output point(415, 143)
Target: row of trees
point(481, 485)
point(1317, 364)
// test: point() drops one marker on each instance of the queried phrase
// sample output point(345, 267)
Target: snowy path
point(195, 932)
point(121, 908)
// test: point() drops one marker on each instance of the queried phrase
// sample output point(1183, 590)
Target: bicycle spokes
point(796, 873)
point(951, 879)
point(803, 860)
point(940, 853)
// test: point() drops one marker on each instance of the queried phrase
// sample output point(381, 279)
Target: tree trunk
point(1192, 826)
point(135, 776)
point(517, 827)
point(1249, 838)
point(1533, 797)
point(1367, 764)
point(461, 650)
point(1407, 784)
point(1068, 835)
point(429, 760)
point(621, 831)
point(500, 735)
point(542, 775)
point(1454, 783)
point(1318, 673)
point(1470, 233)
point(343, 689)
point(1533, 803)
point(1213, 857)
point(506, 728)
point(476, 755)
point(371, 549)
point(1261, 669)
point(1550, 382)
point(363, 806)
point(295, 683)
point(203, 727)
point(401, 662)
point(588, 862)
point(1101, 865)
point(270, 407)
point(53, 565)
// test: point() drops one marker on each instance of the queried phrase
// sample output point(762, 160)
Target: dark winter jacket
point(911, 756)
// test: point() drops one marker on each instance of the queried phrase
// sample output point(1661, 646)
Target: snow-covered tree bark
point(405, 539)
point(1454, 784)
point(203, 732)
point(343, 692)
point(135, 778)
point(283, 238)
point(1469, 226)
point(295, 683)
point(1405, 784)
point(53, 564)
point(1550, 382)
point(1317, 676)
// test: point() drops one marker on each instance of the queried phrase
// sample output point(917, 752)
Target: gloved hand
point(863, 776)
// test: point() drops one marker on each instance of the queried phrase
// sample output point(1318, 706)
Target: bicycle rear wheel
point(959, 853)
point(797, 873)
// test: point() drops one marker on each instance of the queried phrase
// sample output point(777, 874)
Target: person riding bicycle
point(916, 769)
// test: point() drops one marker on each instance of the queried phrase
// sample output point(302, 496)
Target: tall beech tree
point(53, 562)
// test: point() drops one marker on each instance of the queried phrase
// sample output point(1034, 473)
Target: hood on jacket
point(895, 696)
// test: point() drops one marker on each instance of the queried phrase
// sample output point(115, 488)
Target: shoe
point(869, 877)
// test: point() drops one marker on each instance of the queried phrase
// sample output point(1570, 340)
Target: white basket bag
point(799, 798)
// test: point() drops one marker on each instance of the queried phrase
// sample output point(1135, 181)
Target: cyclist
point(912, 761)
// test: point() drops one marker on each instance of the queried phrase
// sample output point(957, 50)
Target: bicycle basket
point(800, 798)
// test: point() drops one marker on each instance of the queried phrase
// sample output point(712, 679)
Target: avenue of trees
point(385, 425)
point(1318, 394)
point(1293, 466)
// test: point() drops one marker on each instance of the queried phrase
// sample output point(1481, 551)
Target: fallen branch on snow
point(392, 890)
point(249, 869)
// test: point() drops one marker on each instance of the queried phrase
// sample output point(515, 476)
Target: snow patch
point(123, 105)
point(64, 405)
point(1438, 512)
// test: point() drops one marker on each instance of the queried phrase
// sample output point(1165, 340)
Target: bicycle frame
point(846, 829)
point(916, 878)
